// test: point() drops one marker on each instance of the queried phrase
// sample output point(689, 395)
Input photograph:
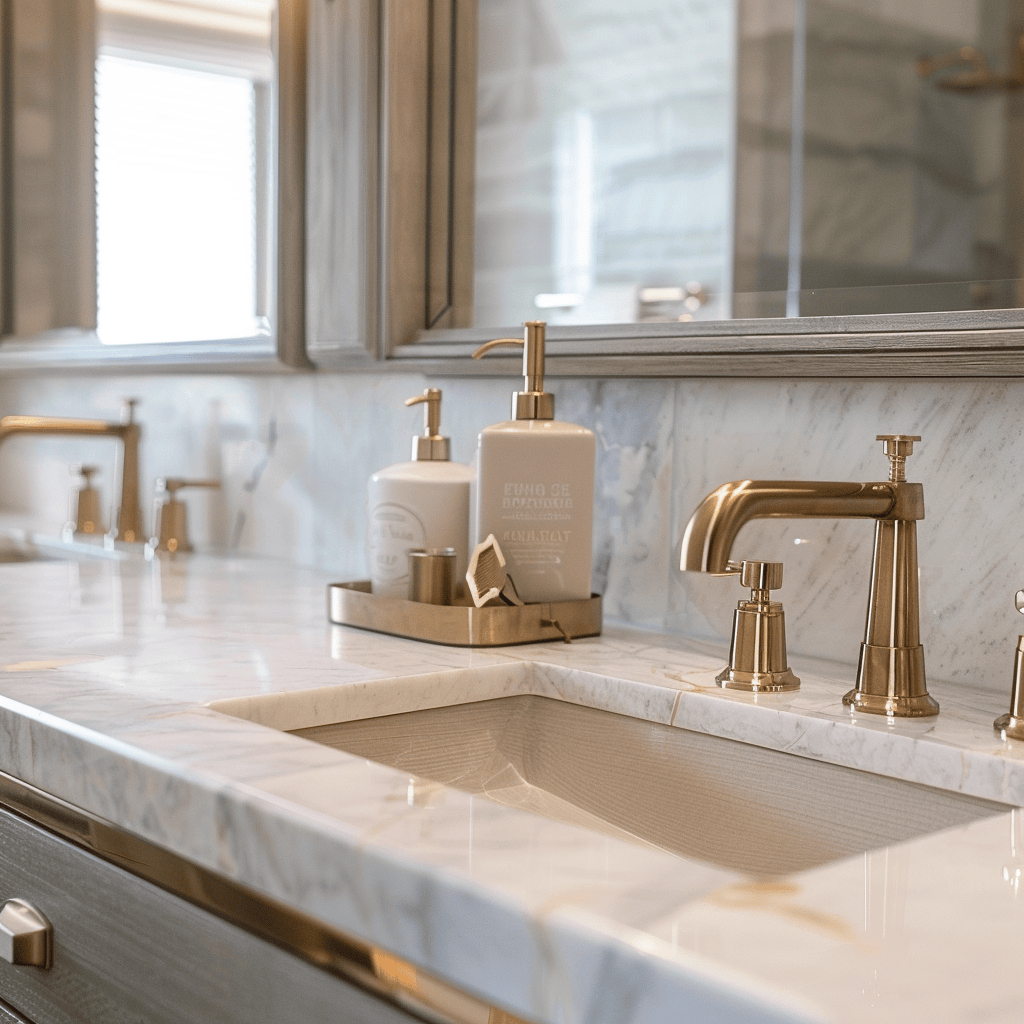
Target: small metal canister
point(432, 575)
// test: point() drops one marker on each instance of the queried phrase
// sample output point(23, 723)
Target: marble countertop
point(108, 668)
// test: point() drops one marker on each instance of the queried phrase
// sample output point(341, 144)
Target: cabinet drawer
point(127, 951)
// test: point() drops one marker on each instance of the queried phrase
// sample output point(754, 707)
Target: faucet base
point(757, 682)
point(757, 654)
point(891, 681)
point(895, 707)
point(1010, 726)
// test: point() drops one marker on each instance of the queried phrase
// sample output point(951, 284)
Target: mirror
point(140, 168)
point(680, 161)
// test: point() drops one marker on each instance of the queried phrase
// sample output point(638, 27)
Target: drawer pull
point(26, 937)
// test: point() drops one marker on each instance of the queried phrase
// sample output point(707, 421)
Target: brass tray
point(462, 625)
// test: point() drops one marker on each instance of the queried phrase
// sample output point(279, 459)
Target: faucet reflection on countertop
point(890, 673)
point(128, 526)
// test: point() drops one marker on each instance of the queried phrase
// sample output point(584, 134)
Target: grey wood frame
point(49, 279)
point(81, 349)
point(986, 343)
point(342, 282)
point(392, 110)
point(6, 157)
point(956, 344)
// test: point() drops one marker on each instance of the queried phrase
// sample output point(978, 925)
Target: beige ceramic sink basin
point(716, 800)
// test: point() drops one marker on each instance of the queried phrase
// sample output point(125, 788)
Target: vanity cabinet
point(126, 951)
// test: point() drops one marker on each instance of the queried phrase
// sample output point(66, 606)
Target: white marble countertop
point(108, 666)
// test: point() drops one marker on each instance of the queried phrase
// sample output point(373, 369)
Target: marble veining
point(154, 695)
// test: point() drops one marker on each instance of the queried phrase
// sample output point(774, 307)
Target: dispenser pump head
point(430, 446)
point(534, 403)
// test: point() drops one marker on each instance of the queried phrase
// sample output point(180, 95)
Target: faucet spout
point(713, 527)
point(129, 516)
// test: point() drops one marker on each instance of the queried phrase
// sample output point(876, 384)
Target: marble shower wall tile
point(634, 422)
point(294, 453)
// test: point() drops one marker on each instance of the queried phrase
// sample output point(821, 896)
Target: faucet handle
point(897, 447)
point(1018, 601)
point(762, 576)
point(171, 514)
point(757, 654)
point(85, 472)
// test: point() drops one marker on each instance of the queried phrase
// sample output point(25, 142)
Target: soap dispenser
point(535, 486)
point(423, 503)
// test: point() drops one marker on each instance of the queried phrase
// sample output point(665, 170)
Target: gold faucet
point(129, 516)
point(890, 673)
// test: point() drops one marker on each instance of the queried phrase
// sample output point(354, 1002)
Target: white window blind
point(177, 200)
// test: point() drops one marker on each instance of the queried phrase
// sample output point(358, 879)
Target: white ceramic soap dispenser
point(419, 504)
point(535, 486)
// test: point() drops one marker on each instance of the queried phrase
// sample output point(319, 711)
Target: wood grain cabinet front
point(128, 951)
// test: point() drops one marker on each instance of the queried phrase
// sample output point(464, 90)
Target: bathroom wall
point(294, 453)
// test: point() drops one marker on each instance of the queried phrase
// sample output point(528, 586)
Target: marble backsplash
point(294, 453)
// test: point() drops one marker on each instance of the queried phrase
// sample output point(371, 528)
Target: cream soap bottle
point(535, 486)
point(419, 504)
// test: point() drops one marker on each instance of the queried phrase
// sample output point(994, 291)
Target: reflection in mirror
point(901, 174)
point(685, 160)
point(604, 155)
point(142, 168)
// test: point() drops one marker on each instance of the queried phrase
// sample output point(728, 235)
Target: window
point(182, 169)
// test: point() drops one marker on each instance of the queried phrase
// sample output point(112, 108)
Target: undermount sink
point(703, 797)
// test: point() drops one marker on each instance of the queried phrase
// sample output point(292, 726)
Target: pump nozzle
point(534, 403)
point(430, 445)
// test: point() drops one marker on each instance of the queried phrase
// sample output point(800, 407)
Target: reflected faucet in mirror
point(128, 525)
point(890, 672)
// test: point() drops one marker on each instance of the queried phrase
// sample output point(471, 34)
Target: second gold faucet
point(128, 526)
